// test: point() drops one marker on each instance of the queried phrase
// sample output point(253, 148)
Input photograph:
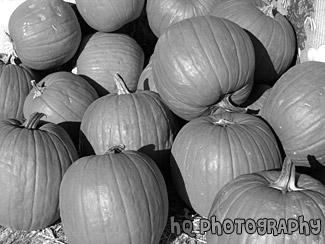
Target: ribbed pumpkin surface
point(295, 110)
point(61, 96)
point(199, 60)
point(32, 164)
point(114, 198)
point(46, 34)
point(15, 84)
point(104, 54)
point(210, 151)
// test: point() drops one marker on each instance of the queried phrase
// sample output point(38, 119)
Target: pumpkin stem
point(33, 120)
point(268, 10)
point(116, 149)
point(10, 56)
point(228, 106)
point(120, 84)
point(286, 181)
point(38, 90)
point(223, 122)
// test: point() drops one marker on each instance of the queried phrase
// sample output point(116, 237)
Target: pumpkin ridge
point(120, 194)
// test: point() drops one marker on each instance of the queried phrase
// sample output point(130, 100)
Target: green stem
point(33, 120)
point(268, 10)
point(228, 106)
point(223, 122)
point(287, 179)
point(120, 84)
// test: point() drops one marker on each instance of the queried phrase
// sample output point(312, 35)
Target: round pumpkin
point(163, 13)
point(34, 157)
point(108, 16)
point(274, 207)
point(62, 96)
point(210, 151)
point(294, 109)
point(114, 198)
point(271, 33)
point(15, 85)
point(139, 120)
point(45, 34)
point(104, 54)
point(198, 61)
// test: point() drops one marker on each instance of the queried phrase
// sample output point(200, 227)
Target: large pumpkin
point(108, 16)
point(163, 13)
point(139, 120)
point(198, 61)
point(271, 33)
point(34, 157)
point(269, 207)
point(62, 96)
point(117, 197)
point(104, 54)
point(295, 110)
point(210, 151)
point(15, 85)
point(45, 34)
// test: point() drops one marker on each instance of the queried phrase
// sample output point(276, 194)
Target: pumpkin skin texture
point(122, 193)
point(62, 96)
point(104, 54)
point(45, 34)
point(140, 121)
point(34, 157)
point(109, 16)
point(210, 151)
point(163, 13)
point(294, 109)
point(198, 61)
point(271, 33)
point(271, 195)
point(15, 85)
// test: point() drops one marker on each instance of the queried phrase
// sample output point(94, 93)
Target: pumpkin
point(139, 120)
point(62, 96)
point(210, 151)
point(117, 197)
point(271, 33)
point(198, 61)
point(164, 13)
point(45, 34)
point(15, 85)
point(257, 98)
point(34, 157)
point(104, 54)
point(108, 16)
point(294, 109)
point(276, 207)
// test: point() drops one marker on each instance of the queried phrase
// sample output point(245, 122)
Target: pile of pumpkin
point(104, 105)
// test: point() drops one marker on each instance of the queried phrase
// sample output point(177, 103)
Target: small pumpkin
point(34, 157)
point(15, 85)
point(109, 16)
point(104, 54)
point(210, 151)
point(120, 192)
point(271, 198)
point(139, 120)
point(45, 34)
point(294, 109)
point(198, 61)
point(62, 96)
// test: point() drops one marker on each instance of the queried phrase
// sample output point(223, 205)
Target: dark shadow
point(101, 91)
point(263, 63)
point(72, 128)
point(178, 182)
point(84, 147)
point(315, 169)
